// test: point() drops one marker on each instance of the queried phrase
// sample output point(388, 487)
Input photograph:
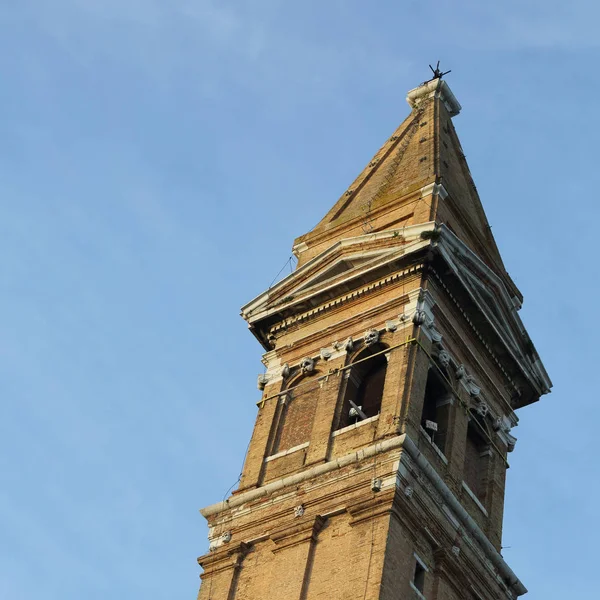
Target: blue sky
point(157, 159)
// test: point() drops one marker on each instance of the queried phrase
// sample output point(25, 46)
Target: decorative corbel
point(511, 441)
point(419, 317)
point(218, 541)
point(347, 345)
point(262, 381)
point(304, 529)
point(482, 409)
point(473, 388)
point(307, 365)
point(444, 359)
point(371, 337)
point(325, 353)
point(503, 428)
point(391, 326)
point(436, 336)
point(423, 314)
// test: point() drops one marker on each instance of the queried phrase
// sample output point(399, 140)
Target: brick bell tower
point(395, 360)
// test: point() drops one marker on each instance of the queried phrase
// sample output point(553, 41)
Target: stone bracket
point(301, 530)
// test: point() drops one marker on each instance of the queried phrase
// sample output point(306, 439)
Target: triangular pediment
point(337, 269)
point(341, 267)
point(495, 309)
point(490, 295)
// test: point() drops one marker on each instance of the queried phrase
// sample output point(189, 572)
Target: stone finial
point(435, 88)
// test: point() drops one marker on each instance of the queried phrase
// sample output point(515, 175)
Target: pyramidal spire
point(420, 174)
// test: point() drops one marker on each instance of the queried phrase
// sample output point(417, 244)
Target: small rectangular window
point(418, 580)
point(419, 577)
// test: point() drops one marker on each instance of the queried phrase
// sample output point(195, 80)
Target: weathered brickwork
point(337, 503)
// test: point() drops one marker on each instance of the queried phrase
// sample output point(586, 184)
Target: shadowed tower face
point(395, 360)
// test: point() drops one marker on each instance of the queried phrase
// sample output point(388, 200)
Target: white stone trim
point(286, 452)
point(465, 264)
point(503, 430)
point(433, 445)
point(450, 505)
point(275, 371)
point(310, 473)
point(449, 399)
point(419, 300)
point(298, 249)
point(354, 426)
point(416, 591)
point(453, 508)
point(217, 541)
point(425, 568)
point(421, 562)
point(257, 309)
point(474, 498)
point(437, 88)
point(434, 189)
point(423, 312)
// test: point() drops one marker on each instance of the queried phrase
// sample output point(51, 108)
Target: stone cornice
point(310, 473)
point(511, 331)
point(427, 476)
point(259, 309)
point(297, 532)
point(466, 347)
point(416, 307)
point(228, 557)
point(434, 88)
point(346, 298)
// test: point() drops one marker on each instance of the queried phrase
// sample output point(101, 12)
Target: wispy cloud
point(216, 43)
point(516, 25)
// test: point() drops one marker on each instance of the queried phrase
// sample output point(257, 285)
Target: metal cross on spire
point(437, 74)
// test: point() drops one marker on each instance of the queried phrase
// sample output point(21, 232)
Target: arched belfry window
point(296, 413)
point(363, 389)
point(436, 408)
point(477, 453)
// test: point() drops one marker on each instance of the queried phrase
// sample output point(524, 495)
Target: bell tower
point(395, 360)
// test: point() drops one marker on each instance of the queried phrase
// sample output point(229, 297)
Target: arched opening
point(436, 409)
point(477, 452)
point(364, 387)
point(296, 414)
